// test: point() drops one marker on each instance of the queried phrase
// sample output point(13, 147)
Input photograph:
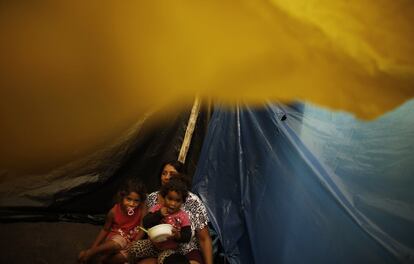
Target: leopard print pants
point(145, 249)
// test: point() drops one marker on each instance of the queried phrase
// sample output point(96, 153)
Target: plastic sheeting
point(318, 187)
point(75, 73)
point(83, 190)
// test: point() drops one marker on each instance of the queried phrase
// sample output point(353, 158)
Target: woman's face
point(167, 173)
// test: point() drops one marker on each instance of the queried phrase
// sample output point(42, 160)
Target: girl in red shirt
point(121, 226)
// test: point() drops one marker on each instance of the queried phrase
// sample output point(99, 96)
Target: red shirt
point(178, 220)
point(124, 224)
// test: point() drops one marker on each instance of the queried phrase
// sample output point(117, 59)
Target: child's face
point(132, 200)
point(167, 173)
point(173, 201)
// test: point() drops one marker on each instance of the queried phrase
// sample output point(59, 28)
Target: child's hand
point(176, 233)
point(164, 211)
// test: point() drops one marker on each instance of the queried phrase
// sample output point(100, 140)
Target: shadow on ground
point(44, 242)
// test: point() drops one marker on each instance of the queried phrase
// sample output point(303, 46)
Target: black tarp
point(83, 190)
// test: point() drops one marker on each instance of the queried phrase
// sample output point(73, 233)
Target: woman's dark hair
point(132, 185)
point(177, 185)
point(178, 165)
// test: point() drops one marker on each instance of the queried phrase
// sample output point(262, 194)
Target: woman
point(199, 250)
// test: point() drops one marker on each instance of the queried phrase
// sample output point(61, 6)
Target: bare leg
point(109, 247)
point(118, 258)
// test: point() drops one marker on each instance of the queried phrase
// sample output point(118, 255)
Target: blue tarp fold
point(318, 187)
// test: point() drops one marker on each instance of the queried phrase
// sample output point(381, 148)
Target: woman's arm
point(199, 219)
point(206, 245)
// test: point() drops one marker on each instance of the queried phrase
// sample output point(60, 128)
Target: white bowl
point(160, 233)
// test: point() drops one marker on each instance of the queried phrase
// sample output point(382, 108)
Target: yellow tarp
point(76, 73)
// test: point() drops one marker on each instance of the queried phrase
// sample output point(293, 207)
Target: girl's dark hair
point(177, 185)
point(133, 185)
point(178, 165)
point(184, 178)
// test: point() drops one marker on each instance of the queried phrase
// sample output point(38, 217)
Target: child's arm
point(105, 229)
point(141, 233)
point(152, 219)
point(183, 235)
point(96, 247)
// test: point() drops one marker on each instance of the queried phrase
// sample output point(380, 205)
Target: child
point(121, 226)
point(169, 211)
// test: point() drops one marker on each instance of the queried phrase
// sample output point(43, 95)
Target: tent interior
point(276, 180)
point(51, 217)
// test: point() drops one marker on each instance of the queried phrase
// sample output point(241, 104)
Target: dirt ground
point(44, 242)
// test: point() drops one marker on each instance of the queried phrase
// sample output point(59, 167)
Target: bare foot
point(83, 256)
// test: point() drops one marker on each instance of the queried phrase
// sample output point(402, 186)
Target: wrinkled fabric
point(85, 189)
point(91, 69)
point(318, 187)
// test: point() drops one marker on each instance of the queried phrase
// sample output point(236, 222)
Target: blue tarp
point(318, 187)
